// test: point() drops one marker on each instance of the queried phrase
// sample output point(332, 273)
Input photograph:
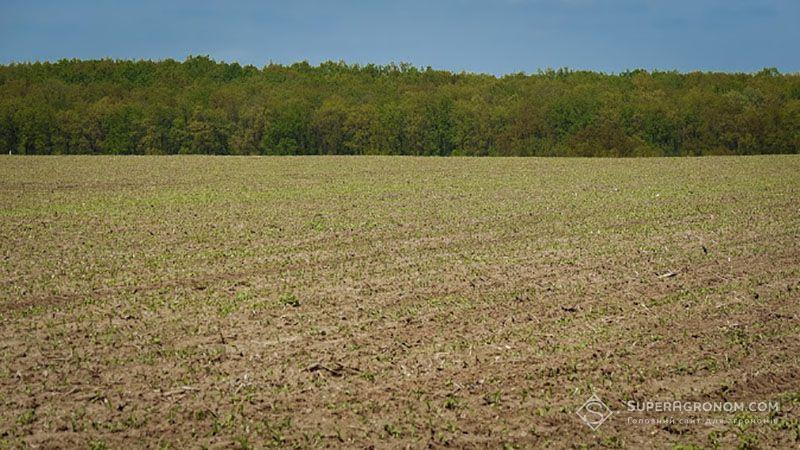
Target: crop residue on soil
point(349, 302)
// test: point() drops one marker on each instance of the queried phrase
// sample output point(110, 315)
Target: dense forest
point(202, 106)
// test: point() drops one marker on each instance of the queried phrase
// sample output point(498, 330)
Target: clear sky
point(498, 37)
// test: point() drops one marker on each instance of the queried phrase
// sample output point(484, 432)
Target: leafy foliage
point(202, 106)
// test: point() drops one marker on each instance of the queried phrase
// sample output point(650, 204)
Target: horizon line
point(394, 64)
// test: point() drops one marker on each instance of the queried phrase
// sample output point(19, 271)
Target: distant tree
point(203, 106)
point(328, 125)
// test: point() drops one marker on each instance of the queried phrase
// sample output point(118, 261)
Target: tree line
point(202, 106)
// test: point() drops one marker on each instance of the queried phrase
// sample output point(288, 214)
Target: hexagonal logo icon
point(594, 412)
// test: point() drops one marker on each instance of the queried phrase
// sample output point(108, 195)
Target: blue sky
point(498, 37)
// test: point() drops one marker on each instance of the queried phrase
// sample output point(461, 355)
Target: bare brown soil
point(395, 302)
